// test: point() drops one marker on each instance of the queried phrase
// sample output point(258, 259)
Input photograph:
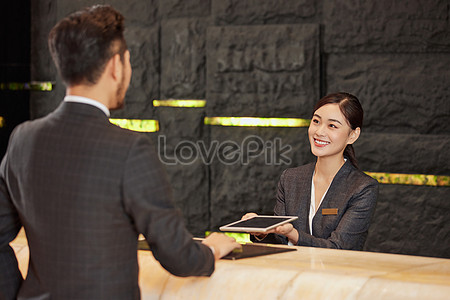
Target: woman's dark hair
point(82, 43)
point(352, 111)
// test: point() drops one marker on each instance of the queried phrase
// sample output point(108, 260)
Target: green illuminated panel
point(2, 122)
point(137, 125)
point(411, 179)
point(252, 121)
point(240, 237)
point(180, 103)
point(45, 86)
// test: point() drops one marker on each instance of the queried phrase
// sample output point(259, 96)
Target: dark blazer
point(351, 192)
point(84, 189)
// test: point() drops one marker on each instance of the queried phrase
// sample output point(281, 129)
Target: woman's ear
point(354, 135)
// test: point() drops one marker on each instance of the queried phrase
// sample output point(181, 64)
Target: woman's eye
point(333, 126)
point(315, 121)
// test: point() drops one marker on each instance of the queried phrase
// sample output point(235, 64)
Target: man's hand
point(221, 244)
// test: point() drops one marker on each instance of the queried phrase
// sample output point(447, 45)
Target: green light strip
point(411, 179)
point(240, 237)
point(2, 122)
point(44, 86)
point(179, 103)
point(252, 121)
point(137, 125)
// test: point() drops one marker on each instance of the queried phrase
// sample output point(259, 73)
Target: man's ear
point(354, 135)
point(116, 67)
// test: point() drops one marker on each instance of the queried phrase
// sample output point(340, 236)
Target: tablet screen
point(258, 223)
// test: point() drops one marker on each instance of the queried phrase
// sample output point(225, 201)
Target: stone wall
point(270, 58)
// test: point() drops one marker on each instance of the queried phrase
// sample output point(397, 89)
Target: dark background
point(273, 59)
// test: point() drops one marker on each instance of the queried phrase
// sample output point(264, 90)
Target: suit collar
point(74, 109)
point(79, 99)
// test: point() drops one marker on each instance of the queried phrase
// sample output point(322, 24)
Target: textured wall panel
point(238, 12)
point(139, 13)
point(262, 70)
point(392, 54)
point(184, 8)
point(188, 177)
point(143, 43)
point(43, 18)
point(404, 153)
point(183, 58)
point(386, 26)
point(249, 185)
point(400, 93)
point(411, 220)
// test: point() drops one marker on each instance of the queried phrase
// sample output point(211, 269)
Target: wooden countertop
point(308, 273)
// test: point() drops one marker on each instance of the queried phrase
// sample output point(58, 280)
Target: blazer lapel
point(304, 198)
point(331, 199)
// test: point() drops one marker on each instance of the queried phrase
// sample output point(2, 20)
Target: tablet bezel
point(283, 220)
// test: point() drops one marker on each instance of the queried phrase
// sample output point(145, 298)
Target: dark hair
point(353, 113)
point(82, 43)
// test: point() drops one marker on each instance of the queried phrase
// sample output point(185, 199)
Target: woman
point(333, 199)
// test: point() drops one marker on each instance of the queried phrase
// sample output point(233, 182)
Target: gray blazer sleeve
point(10, 276)
point(158, 220)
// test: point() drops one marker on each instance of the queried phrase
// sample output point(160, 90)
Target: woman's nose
point(320, 130)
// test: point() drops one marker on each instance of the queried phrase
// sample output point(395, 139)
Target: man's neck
point(88, 92)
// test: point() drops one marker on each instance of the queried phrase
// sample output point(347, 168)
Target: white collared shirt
point(79, 99)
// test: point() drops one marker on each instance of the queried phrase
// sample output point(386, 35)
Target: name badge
point(329, 211)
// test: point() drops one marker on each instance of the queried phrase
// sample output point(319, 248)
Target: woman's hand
point(258, 235)
point(288, 231)
point(248, 216)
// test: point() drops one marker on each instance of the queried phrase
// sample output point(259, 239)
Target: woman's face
point(329, 133)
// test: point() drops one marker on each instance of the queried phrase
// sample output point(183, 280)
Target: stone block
point(137, 13)
point(411, 220)
point(178, 125)
point(43, 18)
point(42, 68)
point(247, 166)
point(252, 12)
point(185, 8)
point(404, 153)
point(190, 192)
point(143, 43)
point(65, 8)
point(386, 26)
point(181, 130)
point(183, 58)
point(400, 93)
point(262, 70)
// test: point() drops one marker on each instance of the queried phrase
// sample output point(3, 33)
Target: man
point(84, 189)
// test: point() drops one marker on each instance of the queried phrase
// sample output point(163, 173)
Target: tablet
point(252, 250)
point(258, 223)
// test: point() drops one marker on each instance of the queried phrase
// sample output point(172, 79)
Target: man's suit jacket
point(351, 192)
point(84, 189)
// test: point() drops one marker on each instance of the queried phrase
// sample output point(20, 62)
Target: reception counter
point(307, 273)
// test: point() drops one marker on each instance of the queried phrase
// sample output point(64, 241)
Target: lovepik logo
point(226, 152)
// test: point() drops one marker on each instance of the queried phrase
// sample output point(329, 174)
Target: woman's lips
point(320, 143)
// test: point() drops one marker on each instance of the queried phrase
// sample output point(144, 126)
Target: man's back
point(84, 188)
point(81, 187)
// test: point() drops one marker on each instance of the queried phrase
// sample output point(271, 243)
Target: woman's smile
point(320, 143)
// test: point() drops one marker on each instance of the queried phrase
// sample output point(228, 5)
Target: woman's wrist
point(293, 236)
